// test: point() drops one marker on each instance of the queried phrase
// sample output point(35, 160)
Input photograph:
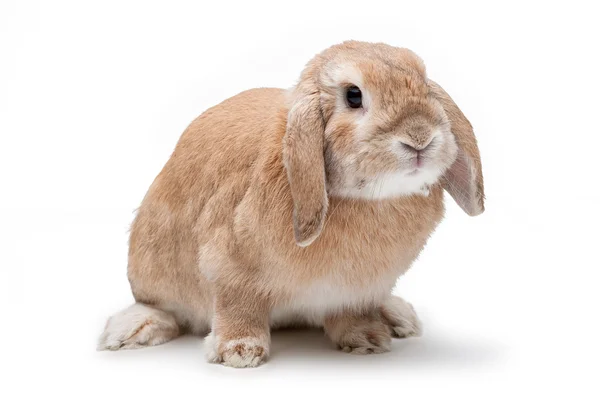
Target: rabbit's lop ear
point(464, 179)
point(303, 147)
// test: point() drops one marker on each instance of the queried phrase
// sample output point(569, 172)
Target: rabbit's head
point(365, 122)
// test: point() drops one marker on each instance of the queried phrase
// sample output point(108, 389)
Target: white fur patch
point(393, 185)
point(312, 303)
point(342, 73)
point(210, 348)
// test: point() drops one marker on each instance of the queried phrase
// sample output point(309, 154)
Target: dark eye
point(354, 97)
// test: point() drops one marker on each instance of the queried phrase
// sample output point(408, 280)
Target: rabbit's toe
point(247, 352)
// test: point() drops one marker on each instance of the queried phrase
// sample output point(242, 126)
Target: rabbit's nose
point(411, 147)
point(416, 146)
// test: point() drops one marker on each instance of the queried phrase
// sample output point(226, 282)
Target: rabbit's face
point(385, 135)
point(364, 121)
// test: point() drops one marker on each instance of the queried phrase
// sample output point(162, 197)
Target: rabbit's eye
point(354, 97)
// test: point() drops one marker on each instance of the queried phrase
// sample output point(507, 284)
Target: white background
point(94, 95)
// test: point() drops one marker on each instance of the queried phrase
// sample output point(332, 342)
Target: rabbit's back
point(219, 147)
point(195, 195)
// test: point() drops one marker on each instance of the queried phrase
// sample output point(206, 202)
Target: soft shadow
point(310, 348)
point(311, 345)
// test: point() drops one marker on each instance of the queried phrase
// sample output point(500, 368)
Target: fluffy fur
point(281, 208)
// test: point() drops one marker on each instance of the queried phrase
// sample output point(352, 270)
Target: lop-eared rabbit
point(299, 207)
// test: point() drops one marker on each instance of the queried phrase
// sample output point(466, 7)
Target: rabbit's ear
point(303, 147)
point(464, 179)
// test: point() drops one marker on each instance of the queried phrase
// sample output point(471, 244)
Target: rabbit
point(300, 207)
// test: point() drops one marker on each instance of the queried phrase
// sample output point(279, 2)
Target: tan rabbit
point(300, 207)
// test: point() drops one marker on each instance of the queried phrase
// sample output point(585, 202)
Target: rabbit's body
point(196, 207)
point(300, 207)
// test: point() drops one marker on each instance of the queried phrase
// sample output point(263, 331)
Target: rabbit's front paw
point(247, 352)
